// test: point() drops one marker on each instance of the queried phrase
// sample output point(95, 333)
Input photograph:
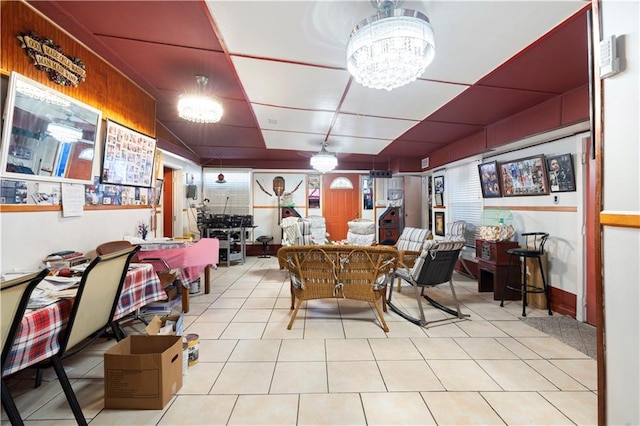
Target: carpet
point(576, 334)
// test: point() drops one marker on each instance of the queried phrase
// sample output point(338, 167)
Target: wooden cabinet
point(493, 261)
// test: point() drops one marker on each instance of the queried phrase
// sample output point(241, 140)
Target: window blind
point(465, 198)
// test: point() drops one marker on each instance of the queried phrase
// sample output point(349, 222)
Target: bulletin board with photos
point(128, 157)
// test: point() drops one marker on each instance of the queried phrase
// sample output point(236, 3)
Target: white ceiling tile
point(293, 120)
point(370, 127)
point(414, 101)
point(291, 85)
point(305, 142)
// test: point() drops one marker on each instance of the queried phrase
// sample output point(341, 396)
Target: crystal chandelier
point(64, 132)
point(200, 108)
point(324, 161)
point(391, 48)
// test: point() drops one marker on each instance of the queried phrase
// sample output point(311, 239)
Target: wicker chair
point(339, 271)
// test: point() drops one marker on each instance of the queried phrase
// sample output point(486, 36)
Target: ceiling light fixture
point(391, 48)
point(199, 107)
point(324, 161)
point(64, 132)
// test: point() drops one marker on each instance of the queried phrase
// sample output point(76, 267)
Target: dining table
point(190, 260)
point(37, 336)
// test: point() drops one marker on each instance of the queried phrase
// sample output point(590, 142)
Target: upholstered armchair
point(296, 232)
point(318, 229)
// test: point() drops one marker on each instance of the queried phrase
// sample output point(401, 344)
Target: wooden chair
point(93, 309)
point(166, 276)
point(14, 297)
point(433, 267)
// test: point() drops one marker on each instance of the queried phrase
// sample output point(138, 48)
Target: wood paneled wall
point(105, 88)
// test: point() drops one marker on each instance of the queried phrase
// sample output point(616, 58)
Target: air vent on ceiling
point(425, 162)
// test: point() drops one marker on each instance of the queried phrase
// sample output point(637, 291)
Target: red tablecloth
point(37, 336)
point(191, 260)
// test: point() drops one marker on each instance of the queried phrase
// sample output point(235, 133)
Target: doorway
point(340, 205)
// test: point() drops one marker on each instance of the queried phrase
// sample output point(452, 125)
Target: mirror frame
point(92, 115)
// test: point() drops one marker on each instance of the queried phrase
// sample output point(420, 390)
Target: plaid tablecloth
point(37, 336)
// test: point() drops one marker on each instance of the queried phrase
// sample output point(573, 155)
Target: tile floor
point(337, 367)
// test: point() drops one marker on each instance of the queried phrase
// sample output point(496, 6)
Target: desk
point(191, 261)
point(37, 337)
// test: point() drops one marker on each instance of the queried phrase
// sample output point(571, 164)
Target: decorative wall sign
point(47, 56)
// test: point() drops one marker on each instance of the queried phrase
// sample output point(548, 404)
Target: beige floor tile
point(407, 376)
point(517, 348)
point(515, 375)
point(266, 292)
point(243, 330)
point(90, 396)
point(281, 410)
point(518, 329)
point(260, 302)
point(300, 377)
point(244, 378)
point(556, 376)
point(200, 378)
point(323, 329)
point(402, 328)
point(580, 407)
point(108, 417)
point(331, 410)
point(226, 302)
point(252, 315)
point(255, 350)
point(302, 350)
point(284, 315)
point(481, 329)
point(439, 348)
point(394, 349)
point(349, 350)
point(460, 408)
point(354, 376)
point(364, 328)
point(79, 365)
point(215, 350)
point(583, 370)
point(217, 315)
point(462, 375)
point(520, 408)
point(199, 410)
point(445, 330)
point(399, 408)
point(485, 348)
point(206, 330)
point(551, 348)
point(240, 292)
point(278, 330)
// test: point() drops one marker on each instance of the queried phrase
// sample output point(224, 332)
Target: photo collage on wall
point(116, 195)
point(536, 175)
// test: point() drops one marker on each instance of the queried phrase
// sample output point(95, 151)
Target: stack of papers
point(52, 289)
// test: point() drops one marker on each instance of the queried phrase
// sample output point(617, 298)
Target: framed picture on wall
point(561, 174)
point(439, 202)
point(128, 157)
point(438, 184)
point(489, 179)
point(525, 176)
point(439, 224)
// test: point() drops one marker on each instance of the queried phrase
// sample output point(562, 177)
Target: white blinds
point(237, 188)
point(465, 198)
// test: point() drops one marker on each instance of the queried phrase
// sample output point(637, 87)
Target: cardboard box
point(160, 325)
point(142, 372)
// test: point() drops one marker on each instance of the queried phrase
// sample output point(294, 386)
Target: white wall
point(621, 194)
point(27, 237)
point(185, 172)
point(565, 244)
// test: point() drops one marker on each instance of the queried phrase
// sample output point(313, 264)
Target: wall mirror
point(47, 135)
